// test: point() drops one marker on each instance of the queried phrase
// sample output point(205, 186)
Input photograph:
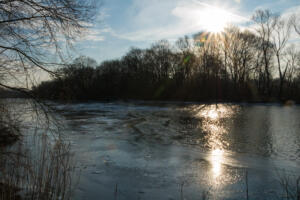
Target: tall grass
point(44, 172)
point(9, 126)
point(40, 165)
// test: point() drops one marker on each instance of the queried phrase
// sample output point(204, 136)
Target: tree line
point(261, 64)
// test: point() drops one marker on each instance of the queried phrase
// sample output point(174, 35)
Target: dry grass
point(40, 165)
point(9, 126)
point(43, 172)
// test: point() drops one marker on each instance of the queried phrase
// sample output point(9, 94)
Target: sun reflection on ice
point(214, 112)
point(214, 125)
point(216, 161)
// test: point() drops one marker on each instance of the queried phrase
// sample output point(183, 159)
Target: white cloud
point(203, 15)
point(96, 34)
point(95, 38)
point(286, 15)
point(294, 11)
point(173, 19)
point(291, 11)
point(93, 35)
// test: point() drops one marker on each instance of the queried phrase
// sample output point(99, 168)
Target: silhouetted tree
point(234, 65)
point(282, 30)
point(265, 29)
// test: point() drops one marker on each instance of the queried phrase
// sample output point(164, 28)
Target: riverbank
point(166, 102)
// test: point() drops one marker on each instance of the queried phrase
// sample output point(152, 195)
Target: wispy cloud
point(185, 17)
point(287, 14)
point(139, 23)
point(96, 34)
point(93, 35)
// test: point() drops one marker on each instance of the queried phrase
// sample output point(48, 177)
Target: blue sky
point(139, 23)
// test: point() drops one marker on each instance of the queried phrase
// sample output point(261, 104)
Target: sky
point(122, 24)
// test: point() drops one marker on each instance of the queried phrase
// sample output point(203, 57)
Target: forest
point(249, 65)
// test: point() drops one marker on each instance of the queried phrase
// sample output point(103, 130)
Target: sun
point(214, 19)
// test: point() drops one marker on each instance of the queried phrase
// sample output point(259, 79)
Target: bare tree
point(292, 60)
point(185, 52)
point(239, 52)
point(265, 29)
point(31, 30)
point(296, 24)
point(280, 37)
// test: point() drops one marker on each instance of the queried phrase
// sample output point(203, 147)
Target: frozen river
point(150, 151)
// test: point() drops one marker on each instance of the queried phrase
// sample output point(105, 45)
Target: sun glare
point(215, 19)
point(216, 159)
